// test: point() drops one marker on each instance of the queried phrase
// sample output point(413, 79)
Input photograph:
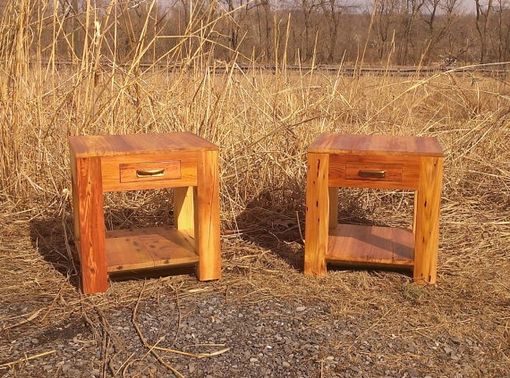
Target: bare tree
point(409, 13)
point(307, 8)
point(333, 10)
point(263, 8)
point(438, 16)
point(70, 13)
point(483, 12)
point(384, 20)
point(237, 10)
point(233, 24)
point(502, 10)
point(426, 29)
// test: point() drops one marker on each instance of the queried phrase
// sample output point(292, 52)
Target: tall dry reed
point(262, 120)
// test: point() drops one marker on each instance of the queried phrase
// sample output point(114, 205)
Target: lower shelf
point(371, 245)
point(145, 248)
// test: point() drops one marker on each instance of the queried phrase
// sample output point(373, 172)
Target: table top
point(112, 145)
point(332, 143)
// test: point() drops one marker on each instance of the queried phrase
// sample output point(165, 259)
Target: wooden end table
point(113, 163)
point(380, 162)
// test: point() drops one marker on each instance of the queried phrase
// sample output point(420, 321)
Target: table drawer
point(150, 171)
point(373, 172)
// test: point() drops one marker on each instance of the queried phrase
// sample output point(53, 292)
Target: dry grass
point(263, 123)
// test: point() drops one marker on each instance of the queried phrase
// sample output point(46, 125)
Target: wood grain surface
point(145, 248)
point(333, 207)
point(376, 144)
point(114, 145)
point(427, 221)
point(208, 214)
point(112, 175)
point(185, 210)
point(91, 225)
point(317, 214)
point(371, 245)
point(402, 172)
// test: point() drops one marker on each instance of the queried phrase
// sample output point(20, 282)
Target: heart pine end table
point(377, 162)
point(114, 163)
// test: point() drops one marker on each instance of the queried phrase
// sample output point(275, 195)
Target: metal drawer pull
point(372, 173)
point(150, 172)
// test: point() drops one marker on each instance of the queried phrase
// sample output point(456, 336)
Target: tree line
point(396, 32)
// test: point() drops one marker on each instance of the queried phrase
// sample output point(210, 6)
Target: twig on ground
point(105, 346)
point(194, 355)
point(27, 320)
point(299, 227)
point(24, 359)
point(124, 365)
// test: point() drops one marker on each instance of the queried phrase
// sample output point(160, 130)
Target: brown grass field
point(264, 318)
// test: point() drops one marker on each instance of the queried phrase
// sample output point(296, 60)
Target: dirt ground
point(264, 318)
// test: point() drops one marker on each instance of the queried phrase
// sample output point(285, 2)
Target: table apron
point(114, 169)
point(387, 171)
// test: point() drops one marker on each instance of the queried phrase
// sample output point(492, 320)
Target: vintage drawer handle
point(150, 172)
point(372, 173)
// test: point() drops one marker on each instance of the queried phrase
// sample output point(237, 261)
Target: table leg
point(427, 220)
point(208, 222)
point(333, 208)
point(185, 214)
point(317, 214)
point(91, 228)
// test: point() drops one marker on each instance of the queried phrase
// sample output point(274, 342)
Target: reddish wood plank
point(148, 248)
point(371, 245)
point(76, 203)
point(376, 144)
point(333, 208)
point(317, 214)
point(428, 198)
point(91, 225)
point(185, 210)
point(125, 251)
point(113, 145)
point(208, 218)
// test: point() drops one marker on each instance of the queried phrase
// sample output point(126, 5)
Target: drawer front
point(150, 171)
point(379, 172)
point(373, 172)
